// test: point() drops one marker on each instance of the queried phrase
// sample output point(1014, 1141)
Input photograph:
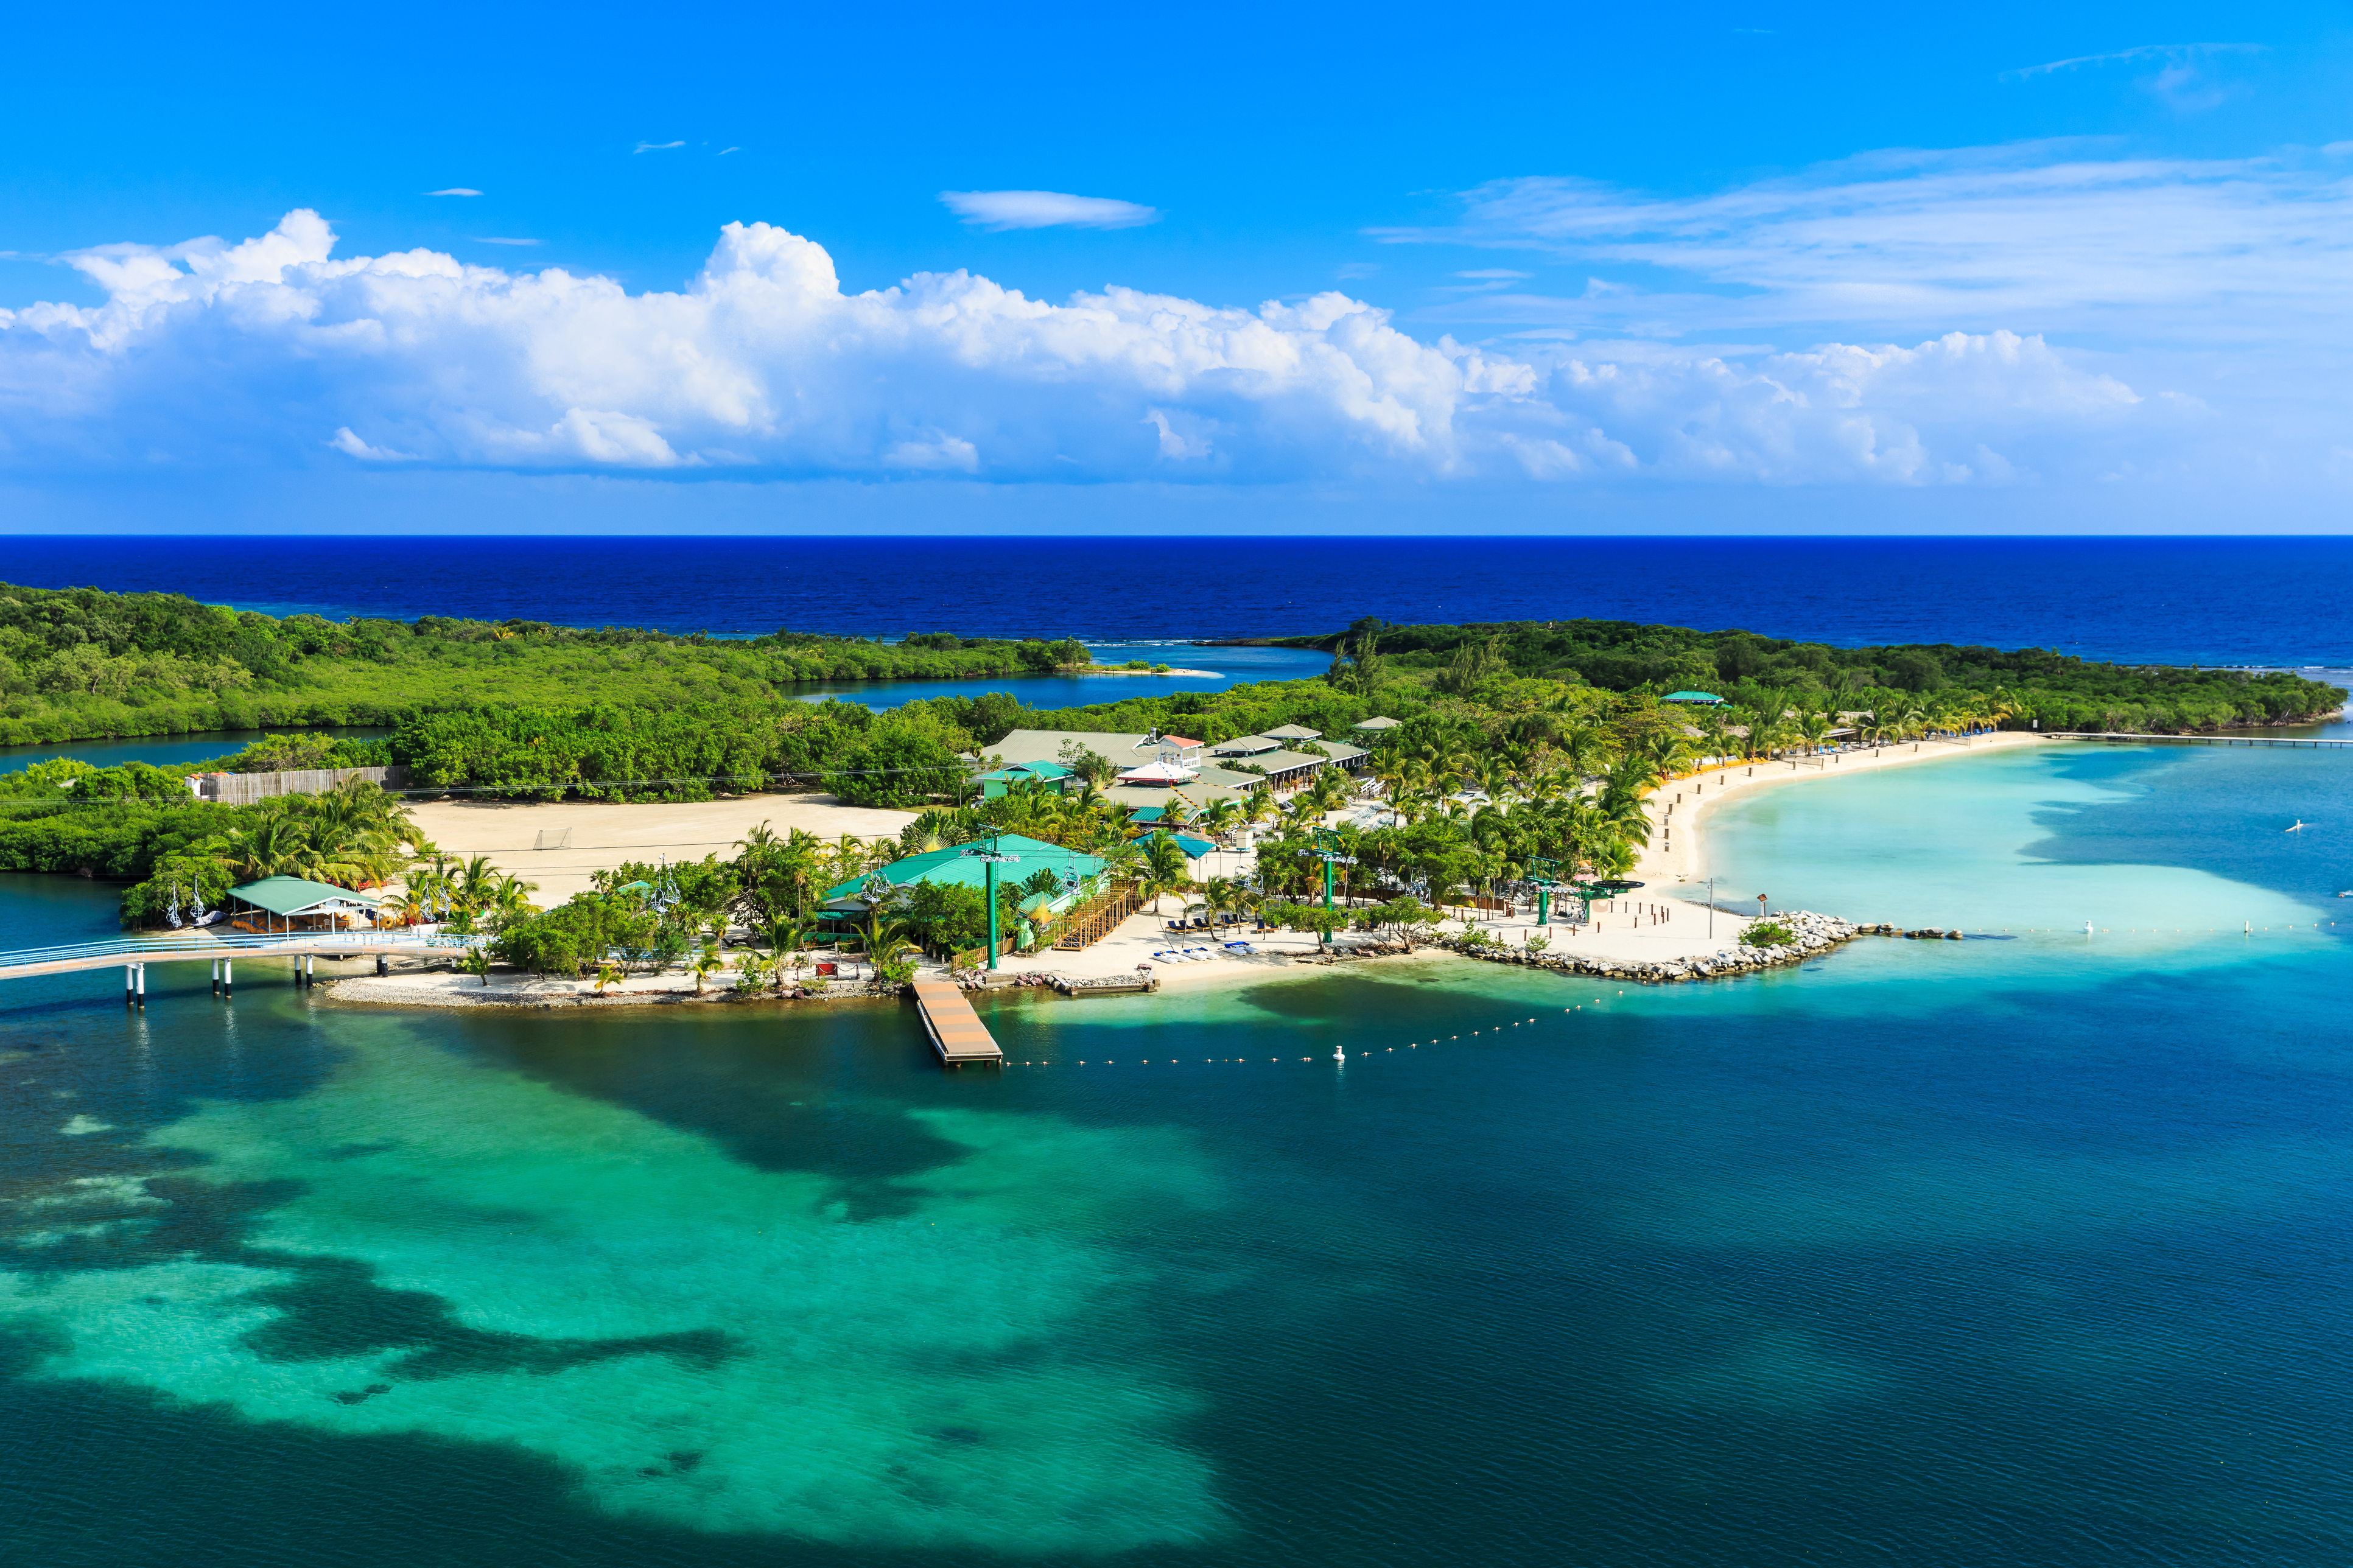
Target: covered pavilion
point(292, 904)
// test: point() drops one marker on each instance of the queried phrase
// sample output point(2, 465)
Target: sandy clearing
point(604, 834)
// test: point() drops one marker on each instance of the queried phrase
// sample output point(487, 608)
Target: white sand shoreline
point(1114, 669)
point(1675, 855)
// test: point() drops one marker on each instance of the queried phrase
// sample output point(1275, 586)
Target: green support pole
point(1544, 906)
point(988, 872)
point(1327, 884)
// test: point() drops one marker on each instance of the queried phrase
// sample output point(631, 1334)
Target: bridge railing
point(134, 948)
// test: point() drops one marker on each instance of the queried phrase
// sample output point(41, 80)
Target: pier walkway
point(2312, 740)
point(135, 954)
point(956, 1031)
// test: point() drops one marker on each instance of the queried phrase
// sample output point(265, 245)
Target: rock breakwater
point(1812, 936)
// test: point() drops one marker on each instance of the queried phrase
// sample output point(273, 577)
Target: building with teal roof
point(1075, 871)
point(1052, 774)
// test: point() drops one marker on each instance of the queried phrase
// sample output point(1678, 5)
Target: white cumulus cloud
point(273, 351)
point(1045, 209)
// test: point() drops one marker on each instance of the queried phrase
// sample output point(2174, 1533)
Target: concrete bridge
point(303, 948)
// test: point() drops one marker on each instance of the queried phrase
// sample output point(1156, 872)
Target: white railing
point(131, 949)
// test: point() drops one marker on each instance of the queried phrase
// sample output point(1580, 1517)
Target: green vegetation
point(2062, 692)
point(1767, 933)
point(82, 664)
point(1522, 749)
point(140, 823)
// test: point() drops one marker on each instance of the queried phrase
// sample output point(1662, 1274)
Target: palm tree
point(509, 898)
point(707, 962)
point(271, 847)
point(476, 884)
point(607, 973)
point(1167, 871)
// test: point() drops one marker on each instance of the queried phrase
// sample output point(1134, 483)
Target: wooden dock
point(956, 1031)
point(2316, 742)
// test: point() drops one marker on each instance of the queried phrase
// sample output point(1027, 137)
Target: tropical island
point(1431, 768)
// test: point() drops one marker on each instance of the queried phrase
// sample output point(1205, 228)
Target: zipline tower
point(991, 857)
point(1327, 849)
point(1543, 873)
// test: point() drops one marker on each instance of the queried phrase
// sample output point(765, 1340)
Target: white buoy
point(1339, 1053)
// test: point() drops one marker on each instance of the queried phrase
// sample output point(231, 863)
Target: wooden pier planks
point(956, 1031)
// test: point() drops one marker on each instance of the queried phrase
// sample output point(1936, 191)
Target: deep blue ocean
point(2160, 600)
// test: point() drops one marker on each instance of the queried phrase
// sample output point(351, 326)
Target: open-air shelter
point(292, 904)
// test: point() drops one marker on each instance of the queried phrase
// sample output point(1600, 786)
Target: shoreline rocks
point(1816, 935)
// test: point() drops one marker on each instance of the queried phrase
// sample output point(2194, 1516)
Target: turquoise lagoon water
point(2029, 1250)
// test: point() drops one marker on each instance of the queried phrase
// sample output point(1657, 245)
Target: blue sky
point(1560, 268)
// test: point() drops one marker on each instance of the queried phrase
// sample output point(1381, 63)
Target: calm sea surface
point(2177, 601)
point(2022, 1251)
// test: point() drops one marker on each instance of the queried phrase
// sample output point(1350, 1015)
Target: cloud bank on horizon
point(1941, 279)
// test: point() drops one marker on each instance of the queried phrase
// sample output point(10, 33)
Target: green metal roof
point(293, 896)
point(1028, 770)
point(953, 865)
point(1692, 697)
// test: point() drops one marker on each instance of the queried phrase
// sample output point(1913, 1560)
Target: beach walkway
point(956, 1031)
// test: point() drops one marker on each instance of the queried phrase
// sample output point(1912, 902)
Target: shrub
point(1767, 933)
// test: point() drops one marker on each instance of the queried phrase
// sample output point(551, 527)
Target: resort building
point(1052, 774)
point(1154, 770)
point(1374, 729)
point(1075, 871)
point(1080, 909)
point(1125, 750)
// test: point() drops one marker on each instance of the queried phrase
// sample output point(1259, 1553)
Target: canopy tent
point(1158, 773)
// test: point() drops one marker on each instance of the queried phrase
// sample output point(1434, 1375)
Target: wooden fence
point(244, 789)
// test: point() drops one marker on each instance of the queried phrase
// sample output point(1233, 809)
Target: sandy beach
point(1679, 809)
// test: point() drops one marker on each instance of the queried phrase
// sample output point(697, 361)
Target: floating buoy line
point(1340, 1053)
